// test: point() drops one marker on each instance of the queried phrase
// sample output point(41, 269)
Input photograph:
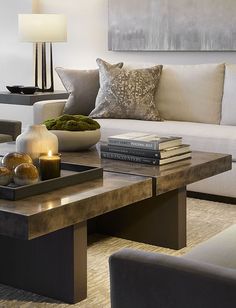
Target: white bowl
point(76, 140)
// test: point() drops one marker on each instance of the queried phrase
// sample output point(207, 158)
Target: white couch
point(199, 103)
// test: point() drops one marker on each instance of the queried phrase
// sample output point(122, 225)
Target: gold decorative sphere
point(25, 174)
point(13, 159)
point(5, 176)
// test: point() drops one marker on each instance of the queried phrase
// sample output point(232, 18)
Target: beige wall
point(87, 40)
point(15, 57)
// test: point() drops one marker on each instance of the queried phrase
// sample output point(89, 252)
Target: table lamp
point(42, 29)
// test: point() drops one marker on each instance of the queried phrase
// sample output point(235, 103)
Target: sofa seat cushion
point(219, 250)
point(191, 93)
point(201, 137)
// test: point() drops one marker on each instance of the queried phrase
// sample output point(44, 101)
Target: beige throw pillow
point(127, 93)
point(191, 93)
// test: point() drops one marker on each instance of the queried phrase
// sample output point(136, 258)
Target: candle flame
point(50, 153)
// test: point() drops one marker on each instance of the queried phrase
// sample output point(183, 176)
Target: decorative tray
point(71, 174)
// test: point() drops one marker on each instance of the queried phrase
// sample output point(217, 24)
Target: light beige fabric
point(191, 93)
point(45, 110)
point(201, 137)
point(229, 96)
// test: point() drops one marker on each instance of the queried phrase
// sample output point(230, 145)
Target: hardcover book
point(145, 160)
point(144, 141)
point(169, 152)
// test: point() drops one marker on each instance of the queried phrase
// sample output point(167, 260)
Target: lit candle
point(50, 166)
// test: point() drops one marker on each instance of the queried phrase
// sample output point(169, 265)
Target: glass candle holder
point(50, 166)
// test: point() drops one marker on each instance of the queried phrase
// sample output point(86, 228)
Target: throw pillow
point(127, 93)
point(191, 93)
point(83, 86)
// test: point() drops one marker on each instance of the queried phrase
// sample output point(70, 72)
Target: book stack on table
point(145, 148)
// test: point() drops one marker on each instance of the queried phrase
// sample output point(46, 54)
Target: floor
point(205, 219)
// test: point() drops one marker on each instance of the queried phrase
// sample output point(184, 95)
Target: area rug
point(205, 219)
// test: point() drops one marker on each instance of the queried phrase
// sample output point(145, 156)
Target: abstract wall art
point(170, 25)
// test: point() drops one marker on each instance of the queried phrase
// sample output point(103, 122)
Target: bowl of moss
point(74, 132)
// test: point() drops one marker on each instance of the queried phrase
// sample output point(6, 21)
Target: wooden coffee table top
point(41, 214)
point(167, 177)
point(125, 183)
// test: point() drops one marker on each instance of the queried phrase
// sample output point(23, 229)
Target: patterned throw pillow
point(127, 93)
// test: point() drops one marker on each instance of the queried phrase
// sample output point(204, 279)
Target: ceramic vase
point(37, 140)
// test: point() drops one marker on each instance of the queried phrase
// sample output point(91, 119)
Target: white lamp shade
point(38, 28)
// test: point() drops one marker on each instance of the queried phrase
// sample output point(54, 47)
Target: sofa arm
point(44, 110)
point(10, 127)
point(150, 280)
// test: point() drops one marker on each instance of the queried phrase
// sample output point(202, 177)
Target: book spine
point(134, 159)
point(131, 151)
point(134, 144)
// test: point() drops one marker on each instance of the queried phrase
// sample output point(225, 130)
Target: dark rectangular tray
point(71, 174)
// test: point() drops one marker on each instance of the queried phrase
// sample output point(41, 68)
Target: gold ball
point(25, 174)
point(13, 159)
point(5, 176)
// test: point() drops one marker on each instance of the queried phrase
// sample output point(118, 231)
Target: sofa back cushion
point(191, 93)
point(229, 96)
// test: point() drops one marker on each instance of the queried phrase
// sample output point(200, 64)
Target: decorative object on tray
point(36, 140)
point(50, 166)
point(145, 148)
point(13, 159)
point(5, 176)
point(74, 132)
point(19, 168)
point(25, 174)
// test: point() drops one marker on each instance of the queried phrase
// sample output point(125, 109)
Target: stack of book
point(145, 148)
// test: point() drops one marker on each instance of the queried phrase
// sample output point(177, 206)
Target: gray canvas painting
point(172, 25)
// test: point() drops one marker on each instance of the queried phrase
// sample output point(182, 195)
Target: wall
point(15, 57)
point(87, 40)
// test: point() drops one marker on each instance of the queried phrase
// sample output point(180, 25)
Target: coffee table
point(44, 238)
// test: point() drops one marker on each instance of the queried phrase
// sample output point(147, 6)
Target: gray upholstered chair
point(9, 130)
point(203, 278)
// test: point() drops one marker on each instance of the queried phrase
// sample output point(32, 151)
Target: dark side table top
point(30, 99)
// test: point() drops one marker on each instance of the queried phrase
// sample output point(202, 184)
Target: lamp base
point(43, 73)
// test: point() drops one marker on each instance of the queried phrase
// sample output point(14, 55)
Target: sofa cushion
point(218, 250)
point(229, 97)
point(191, 93)
point(201, 137)
point(127, 93)
point(83, 86)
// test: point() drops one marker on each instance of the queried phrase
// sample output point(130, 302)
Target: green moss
point(72, 123)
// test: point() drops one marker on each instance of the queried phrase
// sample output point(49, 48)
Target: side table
point(30, 99)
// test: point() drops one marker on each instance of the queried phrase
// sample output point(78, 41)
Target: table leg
point(54, 265)
point(160, 220)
